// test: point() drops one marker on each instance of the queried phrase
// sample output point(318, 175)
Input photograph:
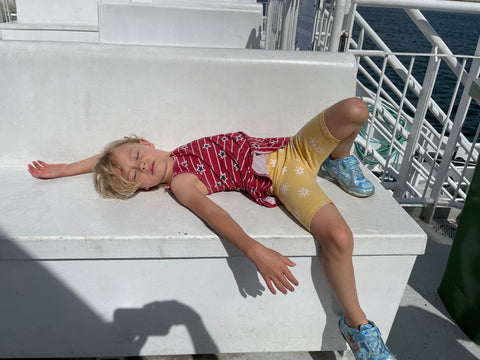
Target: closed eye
point(133, 175)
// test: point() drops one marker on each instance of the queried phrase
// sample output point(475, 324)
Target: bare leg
point(336, 241)
point(344, 121)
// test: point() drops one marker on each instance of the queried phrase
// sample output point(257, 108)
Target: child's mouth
point(152, 167)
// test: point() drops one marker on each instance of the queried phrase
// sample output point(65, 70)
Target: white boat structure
point(413, 144)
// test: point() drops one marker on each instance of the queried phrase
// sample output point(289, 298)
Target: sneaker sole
point(344, 187)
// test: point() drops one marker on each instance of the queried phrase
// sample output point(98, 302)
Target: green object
point(460, 286)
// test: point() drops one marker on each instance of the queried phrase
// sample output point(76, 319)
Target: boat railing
point(7, 11)
point(413, 142)
point(415, 147)
point(428, 162)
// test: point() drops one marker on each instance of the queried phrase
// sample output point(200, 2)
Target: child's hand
point(41, 170)
point(274, 269)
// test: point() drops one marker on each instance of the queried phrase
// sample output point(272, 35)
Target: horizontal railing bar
point(382, 53)
point(435, 5)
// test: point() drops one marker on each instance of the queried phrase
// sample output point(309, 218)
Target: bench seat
point(82, 276)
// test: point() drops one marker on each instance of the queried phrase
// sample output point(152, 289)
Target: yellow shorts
point(294, 170)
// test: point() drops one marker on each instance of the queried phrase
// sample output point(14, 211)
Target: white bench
point(81, 276)
point(199, 23)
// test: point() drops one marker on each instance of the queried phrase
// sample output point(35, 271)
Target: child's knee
point(357, 109)
point(338, 240)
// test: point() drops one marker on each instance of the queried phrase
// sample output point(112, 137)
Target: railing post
point(463, 106)
point(415, 130)
point(336, 32)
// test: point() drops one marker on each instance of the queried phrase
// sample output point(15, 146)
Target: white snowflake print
point(316, 145)
point(296, 213)
point(284, 170)
point(273, 162)
point(320, 149)
point(324, 128)
point(284, 188)
point(303, 192)
point(299, 170)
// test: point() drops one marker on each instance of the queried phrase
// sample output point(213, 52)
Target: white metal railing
point(409, 155)
point(421, 165)
point(7, 10)
point(424, 162)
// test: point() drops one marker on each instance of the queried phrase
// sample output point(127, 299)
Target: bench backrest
point(64, 101)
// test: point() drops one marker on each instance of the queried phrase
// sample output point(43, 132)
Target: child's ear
point(146, 143)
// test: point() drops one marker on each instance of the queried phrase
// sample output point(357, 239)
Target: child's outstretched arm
point(272, 266)
point(41, 170)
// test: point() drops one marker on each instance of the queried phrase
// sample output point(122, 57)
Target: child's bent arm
point(41, 170)
point(272, 266)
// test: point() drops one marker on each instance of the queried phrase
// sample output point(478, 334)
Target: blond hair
point(106, 176)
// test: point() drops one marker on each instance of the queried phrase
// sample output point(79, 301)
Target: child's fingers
point(278, 284)
point(35, 165)
point(32, 171)
point(39, 164)
point(290, 277)
point(270, 286)
point(290, 262)
point(287, 284)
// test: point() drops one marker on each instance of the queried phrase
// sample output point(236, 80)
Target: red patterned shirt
point(226, 162)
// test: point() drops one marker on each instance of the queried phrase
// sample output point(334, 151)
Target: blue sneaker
point(347, 173)
point(366, 343)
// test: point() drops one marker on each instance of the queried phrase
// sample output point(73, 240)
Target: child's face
point(142, 161)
